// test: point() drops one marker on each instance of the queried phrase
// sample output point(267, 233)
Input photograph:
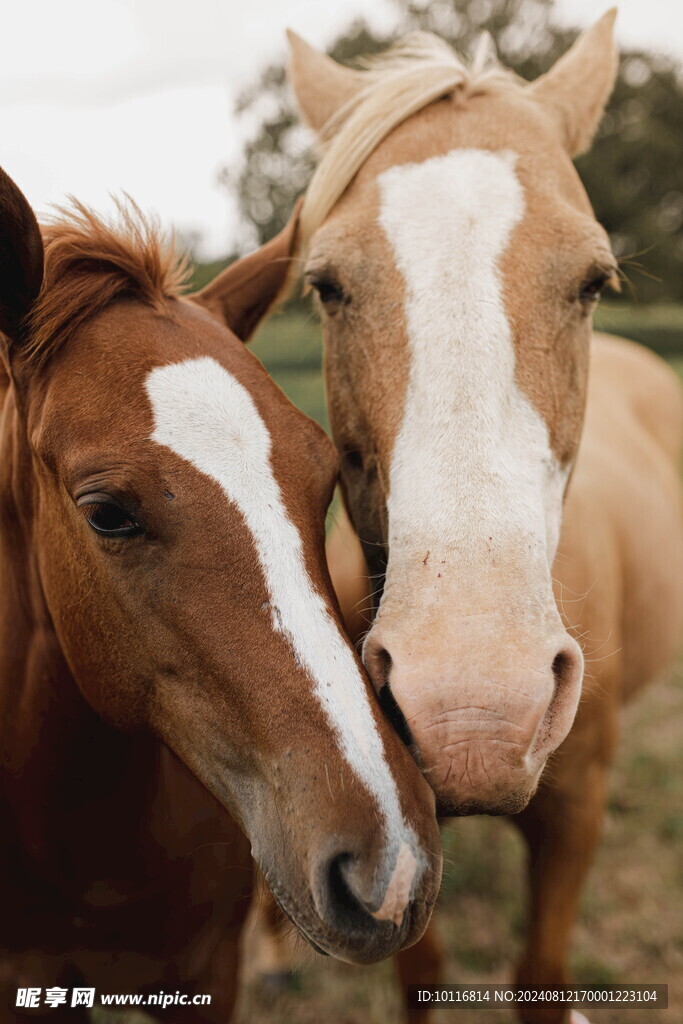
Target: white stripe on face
point(204, 415)
point(469, 442)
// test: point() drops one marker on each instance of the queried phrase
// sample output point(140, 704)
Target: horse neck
point(39, 700)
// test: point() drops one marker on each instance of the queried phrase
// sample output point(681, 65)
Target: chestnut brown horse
point(458, 263)
point(175, 684)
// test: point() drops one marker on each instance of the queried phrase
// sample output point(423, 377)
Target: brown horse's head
point(458, 262)
point(173, 502)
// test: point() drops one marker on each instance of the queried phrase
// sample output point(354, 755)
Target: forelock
point(414, 73)
point(91, 262)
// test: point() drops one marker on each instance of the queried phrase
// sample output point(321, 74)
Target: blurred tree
point(633, 173)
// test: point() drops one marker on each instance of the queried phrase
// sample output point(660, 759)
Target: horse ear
point(578, 86)
point(21, 257)
point(321, 86)
point(243, 293)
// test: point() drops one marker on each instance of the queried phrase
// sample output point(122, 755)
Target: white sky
point(97, 96)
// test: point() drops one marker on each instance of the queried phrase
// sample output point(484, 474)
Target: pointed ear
point(243, 293)
point(21, 257)
point(578, 86)
point(321, 86)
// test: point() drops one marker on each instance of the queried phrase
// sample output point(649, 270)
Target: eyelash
point(119, 523)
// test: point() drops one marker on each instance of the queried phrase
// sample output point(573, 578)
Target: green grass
point(290, 346)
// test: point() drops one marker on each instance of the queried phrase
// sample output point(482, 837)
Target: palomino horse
point(176, 683)
point(458, 263)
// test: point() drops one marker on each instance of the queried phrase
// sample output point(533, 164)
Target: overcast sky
point(97, 96)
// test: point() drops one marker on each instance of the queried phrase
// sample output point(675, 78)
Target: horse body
point(457, 262)
point(619, 585)
point(138, 882)
point(619, 561)
point(177, 692)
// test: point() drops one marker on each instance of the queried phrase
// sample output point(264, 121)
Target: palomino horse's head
point(172, 504)
point(458, 262)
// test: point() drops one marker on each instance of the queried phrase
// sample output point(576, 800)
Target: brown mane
point(91, 262)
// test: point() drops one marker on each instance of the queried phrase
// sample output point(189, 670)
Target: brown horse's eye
point(110, 520)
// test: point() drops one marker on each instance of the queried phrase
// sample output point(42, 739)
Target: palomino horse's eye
point(110, 520)
point(353, 458)
point(330, 293)
point(593, 287)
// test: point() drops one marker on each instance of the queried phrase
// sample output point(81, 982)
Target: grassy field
point(631, 922)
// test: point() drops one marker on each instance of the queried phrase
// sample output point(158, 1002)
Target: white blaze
point(204, 415)
point(469, 442)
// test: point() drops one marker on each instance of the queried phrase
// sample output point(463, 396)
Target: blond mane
point(91, 262)
point(415, 72)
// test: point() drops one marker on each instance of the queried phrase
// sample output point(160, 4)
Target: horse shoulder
point(647, 386)
point(623, 532)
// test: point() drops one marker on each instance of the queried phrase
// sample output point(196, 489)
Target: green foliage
point(634, 173)
point(659, 325)
point(290, 347)
point(204, 273)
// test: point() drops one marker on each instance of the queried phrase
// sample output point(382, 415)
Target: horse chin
point(448, 805)
point(358, 946)
point(512, 804)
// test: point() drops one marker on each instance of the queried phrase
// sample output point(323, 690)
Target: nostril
point(560, 667)
point(388, 704)
point(567, 668)
point(342, 897)
point(378, 663)
point(567, 665)
point(343, 904)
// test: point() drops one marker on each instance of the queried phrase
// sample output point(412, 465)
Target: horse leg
point(562, 826)
point(219, 980)
point(421, 964)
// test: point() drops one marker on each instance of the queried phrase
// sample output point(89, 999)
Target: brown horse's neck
point(32, 668)
point(77, 794)
point(52, 742)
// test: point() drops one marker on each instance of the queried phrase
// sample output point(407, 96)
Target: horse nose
point(566, 665)
point(458, 707)
point(367, 899)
